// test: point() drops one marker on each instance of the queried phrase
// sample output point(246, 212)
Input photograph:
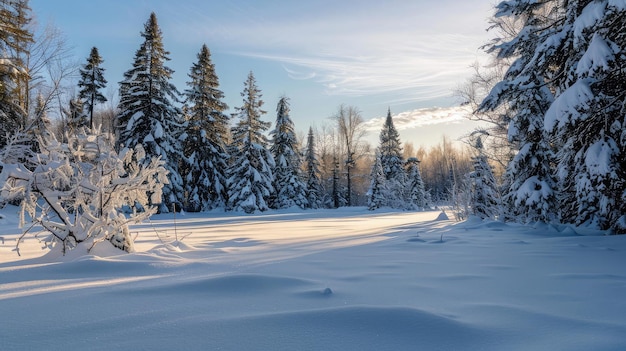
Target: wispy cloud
point(422, 117)
point(299, 74)
point(418, 73)
point(411, 49)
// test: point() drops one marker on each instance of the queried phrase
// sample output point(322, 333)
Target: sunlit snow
point(346, 279)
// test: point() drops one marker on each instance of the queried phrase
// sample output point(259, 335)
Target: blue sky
point(407, 55)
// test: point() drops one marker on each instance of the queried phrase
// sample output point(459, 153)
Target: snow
point(591, 15)
point(344, 279)
point(599, 158)
point(565, 108)
point(618, 5)
point(595, 58)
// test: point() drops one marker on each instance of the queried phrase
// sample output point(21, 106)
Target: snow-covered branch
point(79, 191)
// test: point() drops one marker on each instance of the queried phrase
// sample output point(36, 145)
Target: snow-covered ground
point(347, 279)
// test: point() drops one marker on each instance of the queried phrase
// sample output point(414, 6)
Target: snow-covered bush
point(77, 191)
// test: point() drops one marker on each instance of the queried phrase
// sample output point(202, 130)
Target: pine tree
point(587, 115)
point(392, 163)
point(91, 82)
point(530, 194)
point(415, 186)
point(485, 200)
point(39, 131)
point(148, 116)
point(205, 169)
point(76, 118)
point(250, 175)
point(15, 37)
point(289, 188)
point(315, 191)
point(378, 192)
point(575, 49)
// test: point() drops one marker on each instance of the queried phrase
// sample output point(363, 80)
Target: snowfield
point(347, 279)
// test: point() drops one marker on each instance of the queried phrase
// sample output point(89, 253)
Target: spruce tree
point(575, 49)
point(39, 131)
point(15, 38)
point(76, 118)
point(392, 163)
point(289, 188)
point(530, 194)
point(587, 115)
point(415, 186)
point(205, 169)
point(485, 201)
point(250, 174)
point(91, 82)
point(377, 193)
point(315, 191)
point(148, 115)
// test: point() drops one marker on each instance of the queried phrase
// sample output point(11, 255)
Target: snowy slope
point(346, 279)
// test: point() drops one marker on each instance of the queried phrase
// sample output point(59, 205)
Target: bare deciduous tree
point(350, 130)
point(51, 69)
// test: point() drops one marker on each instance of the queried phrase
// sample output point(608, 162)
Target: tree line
point(205, 157)
point(165, 150)
point(554, 96)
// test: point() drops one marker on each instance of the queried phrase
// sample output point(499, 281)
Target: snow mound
point(442, 217)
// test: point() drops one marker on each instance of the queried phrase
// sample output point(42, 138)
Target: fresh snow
point(595, 58)
point(345, 279)
point(566, 107)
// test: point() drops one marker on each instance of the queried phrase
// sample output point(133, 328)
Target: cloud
point(422, 117)
point(299, 75)
point(413, 73)
point(408, 48)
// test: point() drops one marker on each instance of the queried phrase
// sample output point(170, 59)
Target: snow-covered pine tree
point(530, 194)
point(39, 131)
point(378, 192)
point(77, 191)
point(587, 116)
point(76, 118)
point(392, 162)
point(315, 191)
point(206, 158)
point(485, 201)
point(415, 186)
point(289, 188)
point(91, 82)
point(250, 174)
point(15, 37)
point(148, 116)
point(578, 54)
